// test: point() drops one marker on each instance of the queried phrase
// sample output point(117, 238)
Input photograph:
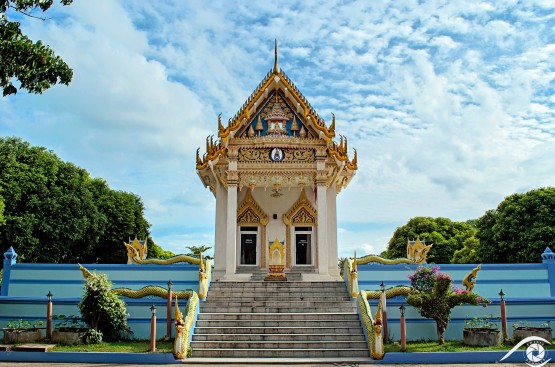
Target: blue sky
point(450, 104)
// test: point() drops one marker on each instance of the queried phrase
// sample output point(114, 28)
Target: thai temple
point(276, 170)
point(274, 292)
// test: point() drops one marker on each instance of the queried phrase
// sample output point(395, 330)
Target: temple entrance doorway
point(248, 242)
point(303, 246)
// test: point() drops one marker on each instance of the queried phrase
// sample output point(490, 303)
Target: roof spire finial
point(276, 67)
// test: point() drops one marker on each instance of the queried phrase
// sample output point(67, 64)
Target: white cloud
point(450, 105)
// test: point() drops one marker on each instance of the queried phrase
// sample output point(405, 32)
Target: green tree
point(123, 217)
point(56, 213)
point(445, 235)
point(434, 297)
point(34, 64)
point(519, 229)
point(50, 213)
point(2, 220)
point(156, 252)
point(102, 309)
point(469, 253)
point(195, 251)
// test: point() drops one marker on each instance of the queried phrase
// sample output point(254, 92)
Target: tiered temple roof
point(276, 115)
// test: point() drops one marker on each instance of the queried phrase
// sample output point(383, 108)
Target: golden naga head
point(417, 251)
point(136, 250)
point(132, 253)
point(86, 272)
point(470, 279)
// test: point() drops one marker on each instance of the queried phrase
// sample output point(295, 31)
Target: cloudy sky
point(451, 104)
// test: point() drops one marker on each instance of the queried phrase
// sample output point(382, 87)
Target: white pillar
point(332, 231)
point(322, 231)
point(221, 231)
point(231, 230)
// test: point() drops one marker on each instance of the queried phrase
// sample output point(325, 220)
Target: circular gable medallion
point(276, 154)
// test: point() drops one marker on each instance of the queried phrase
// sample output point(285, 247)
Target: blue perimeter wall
point(529, 295)
point(529, 292)
point(23, 294)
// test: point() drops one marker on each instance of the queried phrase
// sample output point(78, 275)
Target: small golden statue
point(277, 263)
point(179, 343)
point(470, 279)
point(417, 251)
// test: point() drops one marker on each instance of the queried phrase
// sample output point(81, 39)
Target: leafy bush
point(21, 325)
point(486, 322)
point(93, 337)
point(102, 309)
point(68, 323)
point(434, 297)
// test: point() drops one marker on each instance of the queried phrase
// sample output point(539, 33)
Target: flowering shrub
point(102, 309)
point(434, 296)
point(423, 278)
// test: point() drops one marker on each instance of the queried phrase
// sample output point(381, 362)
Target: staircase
point(278, 320)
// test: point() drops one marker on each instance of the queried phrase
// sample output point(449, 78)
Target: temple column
point(332, 231)
point(221, 229)
point(322, 226)
point(231, 230)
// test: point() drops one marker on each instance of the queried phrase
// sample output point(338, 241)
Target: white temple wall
point(221, 229)
point(279, 206)
point(332, 231)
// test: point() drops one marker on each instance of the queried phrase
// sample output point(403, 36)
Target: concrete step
point(351, 316)
point(300, 361)
point(280, 320)
point(278, 353)
point(277, 330)
point(278, 285)
point(246, 309)
point(285, 285)
point(296, 277)
point(305, 344)
point(277, 292)
point(282, 295)
point(279, 288)
point(278, 337)
point(278, 323)
point(281, 285)
point(277, 297)
point(282, 304)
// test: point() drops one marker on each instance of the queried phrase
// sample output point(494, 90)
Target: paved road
point(27, 364)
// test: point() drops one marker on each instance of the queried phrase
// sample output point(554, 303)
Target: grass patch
point(128, 346)
point(449, 346)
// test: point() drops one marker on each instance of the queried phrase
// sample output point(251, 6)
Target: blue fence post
point(9, 259)
point(548, 258)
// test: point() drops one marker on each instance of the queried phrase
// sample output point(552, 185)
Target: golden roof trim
point(309, 113)
point(301, 203)
point(250, 203)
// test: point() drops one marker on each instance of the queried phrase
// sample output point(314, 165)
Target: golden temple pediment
point(276, 140)
point(301, 213)
point(249, 212)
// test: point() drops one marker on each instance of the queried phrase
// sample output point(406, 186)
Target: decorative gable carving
point(303, 217)
point(301, 213)
point(249, 212)
point(276, 118)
